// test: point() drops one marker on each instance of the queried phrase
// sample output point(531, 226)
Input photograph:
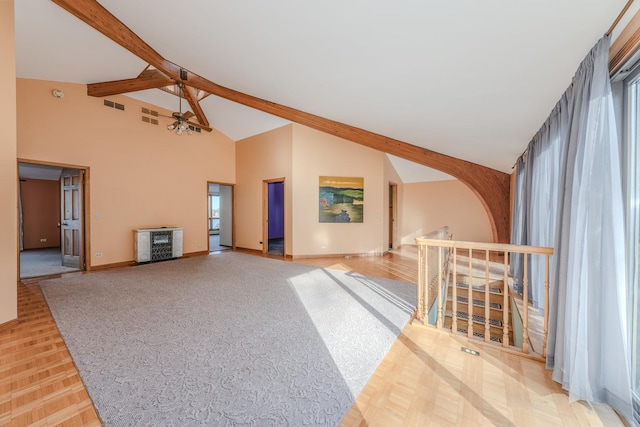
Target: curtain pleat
point(571, 197)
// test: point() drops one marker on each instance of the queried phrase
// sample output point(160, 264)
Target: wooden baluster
point(426, 285)
point(505, 303)
point(439, 300)
point(421, 281)
point(470, 296)
point(454, 292)
point(525, 307)
point(546, 305)
point(487, 328)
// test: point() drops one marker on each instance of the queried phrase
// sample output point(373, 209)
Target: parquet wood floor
point(39, 384)
point(424, 380)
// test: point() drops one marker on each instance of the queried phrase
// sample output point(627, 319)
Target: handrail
point(494, 247)
point(491, 305)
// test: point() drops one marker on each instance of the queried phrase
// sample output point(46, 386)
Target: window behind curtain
point(631, 181)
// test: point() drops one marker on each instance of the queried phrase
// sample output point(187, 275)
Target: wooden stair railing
point(479, 300)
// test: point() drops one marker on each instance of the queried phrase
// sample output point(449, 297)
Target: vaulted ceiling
point(470, 79)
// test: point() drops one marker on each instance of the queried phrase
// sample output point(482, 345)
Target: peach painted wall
point(261, 157)
point(140, 175)
point(318, 154)
point(8, 168)
point(428, 206)
point(40, 213)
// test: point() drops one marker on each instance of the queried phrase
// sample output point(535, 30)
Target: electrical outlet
point(99, 254)
point(43, 240)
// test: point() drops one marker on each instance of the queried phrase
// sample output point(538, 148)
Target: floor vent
point(112, 104)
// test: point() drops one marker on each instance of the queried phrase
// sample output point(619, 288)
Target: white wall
point(226, 215)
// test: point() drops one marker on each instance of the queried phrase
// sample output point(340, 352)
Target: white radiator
point(157, 244)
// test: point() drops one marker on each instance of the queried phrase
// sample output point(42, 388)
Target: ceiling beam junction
point(491, 186)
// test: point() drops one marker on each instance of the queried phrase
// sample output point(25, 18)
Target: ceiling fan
point(182, 123)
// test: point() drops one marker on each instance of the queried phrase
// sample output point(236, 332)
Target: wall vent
point(146, 112)
point(149, 112)
point(149, 120)
point(112, 104)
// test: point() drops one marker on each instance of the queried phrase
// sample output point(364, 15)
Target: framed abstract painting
point(341, 199)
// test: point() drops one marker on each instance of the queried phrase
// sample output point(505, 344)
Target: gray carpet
point(227, 339)
point(42, 262)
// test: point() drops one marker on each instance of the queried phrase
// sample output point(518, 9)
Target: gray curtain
point(572, 200)
point(518, 224)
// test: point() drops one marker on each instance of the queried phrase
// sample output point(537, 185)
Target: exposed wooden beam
point(148, 79)
point(191, 97)
point(491, 186)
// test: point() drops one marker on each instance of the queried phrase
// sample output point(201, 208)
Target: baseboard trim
point(337, 255)
point(192, 254)
point(133, 263)
point(258, 252)
point(111, 266)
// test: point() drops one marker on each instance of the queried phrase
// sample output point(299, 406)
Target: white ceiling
point(471, 79)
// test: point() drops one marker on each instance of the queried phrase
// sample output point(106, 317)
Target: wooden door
point(71, 228)
point(392, 214)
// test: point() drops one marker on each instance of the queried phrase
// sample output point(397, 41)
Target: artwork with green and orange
point(341, 199)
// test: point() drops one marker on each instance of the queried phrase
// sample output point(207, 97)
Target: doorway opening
point(273, 212)
point(393, 202)
point(220, 216)
point(51, 222)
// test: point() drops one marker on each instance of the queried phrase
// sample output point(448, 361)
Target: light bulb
point(182, 126)
point(189, 131)
point(179, 131)
point(171, 127)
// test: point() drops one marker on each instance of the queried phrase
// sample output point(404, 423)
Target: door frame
point(265, 214)
point(86, 226)
point(233, 213)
